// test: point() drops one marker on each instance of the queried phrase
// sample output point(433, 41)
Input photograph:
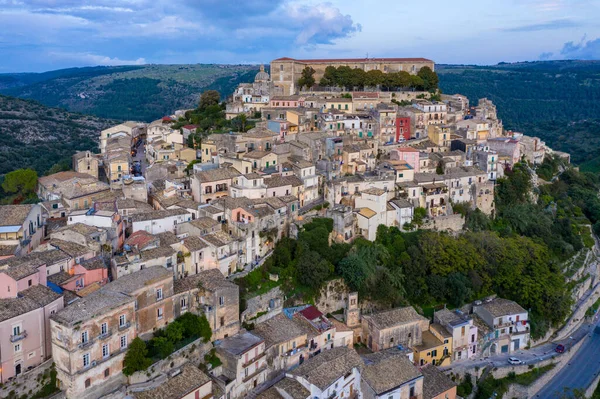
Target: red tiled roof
point(190, 127)
point(328, 60)
point(311, 313)
point(407, 149)
point(166, 118)
point(139, 239)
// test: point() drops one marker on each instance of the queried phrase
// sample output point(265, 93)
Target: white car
point(514, 360)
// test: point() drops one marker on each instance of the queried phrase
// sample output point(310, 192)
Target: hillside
point(35, 136)
point(555, 100)
point(141, 93)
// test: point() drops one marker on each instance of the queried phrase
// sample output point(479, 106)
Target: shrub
point(136, 358)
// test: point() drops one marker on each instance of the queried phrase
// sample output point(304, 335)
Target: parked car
point(560, 348)
point(514, 360)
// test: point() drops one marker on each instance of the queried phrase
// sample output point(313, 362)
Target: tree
point(374, 78)
point(174, 332)
point(209, 98)
point(430, 78)
point(439, 169)
point(419, 215)
point(312, 269)
point(195, 326)
point(329, 77)
point(307, 78)
point(239, 123)
point(136, 357)
point(164, 346)
point(21, 182)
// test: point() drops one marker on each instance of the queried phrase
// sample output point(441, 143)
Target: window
point(222, 321)
point(123, 341)
point(17, 330)
point(106, 373)
point(221, 300)
point(462, 331)
point(84, 337)
point(17, 348)
point(159, 294)
point(122, 320)
point(86, 360)
point(105, 351)
point(88, 382)
point(103, 328)
point(183, 303)
point(159, 313)
point(29, 282)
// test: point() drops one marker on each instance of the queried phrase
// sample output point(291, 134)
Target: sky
point(42, 35)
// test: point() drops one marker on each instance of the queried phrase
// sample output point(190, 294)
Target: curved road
point(579, 372)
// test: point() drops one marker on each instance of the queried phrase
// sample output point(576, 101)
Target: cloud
point(93, 59)
point(584, 50)
point(319, 24)
point(546, 56)
point(550, 25)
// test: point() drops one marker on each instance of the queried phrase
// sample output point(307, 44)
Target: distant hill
point(142, 93)
point(35, 136)
point(554, 100)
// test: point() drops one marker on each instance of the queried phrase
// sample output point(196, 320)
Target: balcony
point(124, 326)
point(255, 359)
point(85, 344)
point(18, 337)
point(105, 335)
point(295, 350)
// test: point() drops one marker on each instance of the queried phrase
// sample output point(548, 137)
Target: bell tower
point(352, 311)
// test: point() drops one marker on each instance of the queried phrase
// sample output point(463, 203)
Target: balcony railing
point(124, 326)
point(18, 337)
point(255, 359)
point(105, 335)
point(85, 344)
point(295, 350)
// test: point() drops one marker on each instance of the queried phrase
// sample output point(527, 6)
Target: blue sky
point(40, 35)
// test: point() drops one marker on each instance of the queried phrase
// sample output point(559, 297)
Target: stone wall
point(333, 296)
point(193, 352)
point(453, 223)
point(262, 303)
point(29, 382)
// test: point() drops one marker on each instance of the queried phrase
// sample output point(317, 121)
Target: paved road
point(531, 356)
point(579, 373)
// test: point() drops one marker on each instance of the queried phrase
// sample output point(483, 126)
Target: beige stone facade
point(285, 72)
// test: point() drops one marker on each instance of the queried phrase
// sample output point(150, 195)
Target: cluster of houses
point(149, 229)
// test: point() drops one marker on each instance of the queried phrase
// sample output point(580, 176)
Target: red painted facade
point(402, 128)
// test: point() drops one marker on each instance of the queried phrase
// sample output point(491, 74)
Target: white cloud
point(93, 59)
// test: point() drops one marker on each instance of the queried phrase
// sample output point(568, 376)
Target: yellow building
point(341, 104)
point(435, 348)
point(207, 147)
point(440, 135)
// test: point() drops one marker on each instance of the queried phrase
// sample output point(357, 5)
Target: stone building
point(285, 71)
point(400, 326)
point(86, 162)
point(89, 340)
point(244, 363)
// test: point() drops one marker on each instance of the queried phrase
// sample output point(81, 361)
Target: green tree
point(329, 77)
point(307, 78)
point(136, 357)
point(164, 346)
point(374, 78)
point(439, 169)
point(429, 77)
point(312, 269)
point(21, 182)
point(174, 332)
point(195, 326)
point(209, 98)
point(418, 216)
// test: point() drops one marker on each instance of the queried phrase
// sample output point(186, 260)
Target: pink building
point(81, 275)
point(286, 101)
point(26, 305)
point(408, 154)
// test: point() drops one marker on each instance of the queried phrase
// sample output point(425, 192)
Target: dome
point(261, 76)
